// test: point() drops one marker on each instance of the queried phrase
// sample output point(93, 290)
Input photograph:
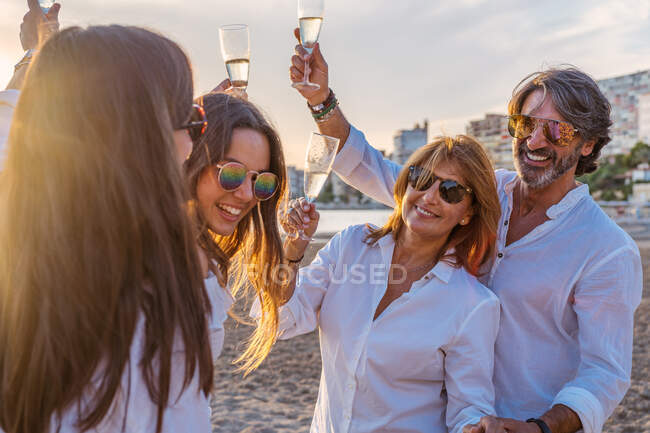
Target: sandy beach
point(279, 397)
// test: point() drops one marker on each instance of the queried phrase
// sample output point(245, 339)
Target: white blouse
point(424, 365)
point(568, 292)
point(188, 411)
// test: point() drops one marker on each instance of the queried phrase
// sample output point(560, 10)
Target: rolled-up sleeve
point(300, 314)
point(364, 168)
point(469, 365)
point(605, 301)
point(8, 101)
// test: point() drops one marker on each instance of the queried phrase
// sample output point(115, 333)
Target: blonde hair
point(474, 242)
point(93, 232)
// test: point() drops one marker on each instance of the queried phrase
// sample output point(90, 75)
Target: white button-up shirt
point(424, 365)
point(8, 100)
point(568, 291)
point(187, 412)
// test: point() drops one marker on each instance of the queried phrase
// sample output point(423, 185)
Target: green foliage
point(608, 182)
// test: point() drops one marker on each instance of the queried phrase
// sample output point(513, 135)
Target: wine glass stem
point(307, 72)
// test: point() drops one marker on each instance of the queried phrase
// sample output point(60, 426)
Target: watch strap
point(541, 424)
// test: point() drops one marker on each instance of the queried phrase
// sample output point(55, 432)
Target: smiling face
point(221, 209)
point(427, 215)
point(538, 162)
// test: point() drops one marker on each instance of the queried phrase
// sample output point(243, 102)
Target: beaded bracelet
point(327, 115)
point(327, 110)
point(319, 108)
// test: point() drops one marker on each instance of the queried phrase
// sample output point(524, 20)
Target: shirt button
point(505, 223)
point(500, 255)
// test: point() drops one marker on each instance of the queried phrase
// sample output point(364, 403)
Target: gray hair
point(578, 99)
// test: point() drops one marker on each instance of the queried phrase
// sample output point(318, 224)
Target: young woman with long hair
point(237, 178)
point(105, 322)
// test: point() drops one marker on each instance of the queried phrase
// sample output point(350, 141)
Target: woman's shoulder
point(471, 288)
point(357, 231)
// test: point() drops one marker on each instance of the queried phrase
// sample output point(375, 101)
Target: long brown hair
point(253, 252)
point(93, 230)
point(472, 243)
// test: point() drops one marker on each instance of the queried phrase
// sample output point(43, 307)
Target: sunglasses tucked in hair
point(555, 131)
point(451, 191)
point(197, 124)
point(232, 175)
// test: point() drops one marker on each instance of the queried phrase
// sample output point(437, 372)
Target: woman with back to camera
point(407, 332)
point(105, 321)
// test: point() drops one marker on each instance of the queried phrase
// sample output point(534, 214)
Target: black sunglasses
point(197, 124)
point(450, 191)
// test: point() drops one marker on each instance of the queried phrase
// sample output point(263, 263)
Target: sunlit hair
point(95, 239)
point(578, 99)
point(472, 243)
point(255, 247)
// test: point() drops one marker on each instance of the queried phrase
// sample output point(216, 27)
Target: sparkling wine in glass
point(318, 165)
point(310, 19)
point(236, 52)
point(45, 5)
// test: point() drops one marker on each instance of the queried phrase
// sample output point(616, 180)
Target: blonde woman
point(407, 332)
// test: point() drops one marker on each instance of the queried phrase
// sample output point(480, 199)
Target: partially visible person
point(105, 323)
point(568, 278)
point(35, 27)
point(237, 178)
point(406, 331)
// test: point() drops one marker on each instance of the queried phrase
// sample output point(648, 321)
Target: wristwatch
point(541, 424)
point(27, 58)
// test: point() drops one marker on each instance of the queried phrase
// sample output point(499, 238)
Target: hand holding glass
point(236, 52)
point(310, 17)
point(318, 165)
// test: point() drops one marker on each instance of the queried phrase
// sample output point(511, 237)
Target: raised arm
point(357, 163)
point(305, 290)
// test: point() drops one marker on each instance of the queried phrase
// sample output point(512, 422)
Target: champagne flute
point(236, 51)
point(310, 18)
point(45, 5)
point(318, 165)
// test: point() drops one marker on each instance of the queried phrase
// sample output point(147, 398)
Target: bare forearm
point(561, 419)
point(294, 251)
point(336, 126)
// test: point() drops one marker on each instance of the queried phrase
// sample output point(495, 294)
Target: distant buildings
point(335, 191)
point(296, 179)
point(644, 118)
point(492, 132)
point(630, 99)
point(406, 141)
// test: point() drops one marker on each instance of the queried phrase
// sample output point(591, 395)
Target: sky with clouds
point(392, 63)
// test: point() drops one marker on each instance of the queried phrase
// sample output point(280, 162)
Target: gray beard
point(534, 177)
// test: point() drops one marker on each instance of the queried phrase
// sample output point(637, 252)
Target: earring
point(462, 221)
